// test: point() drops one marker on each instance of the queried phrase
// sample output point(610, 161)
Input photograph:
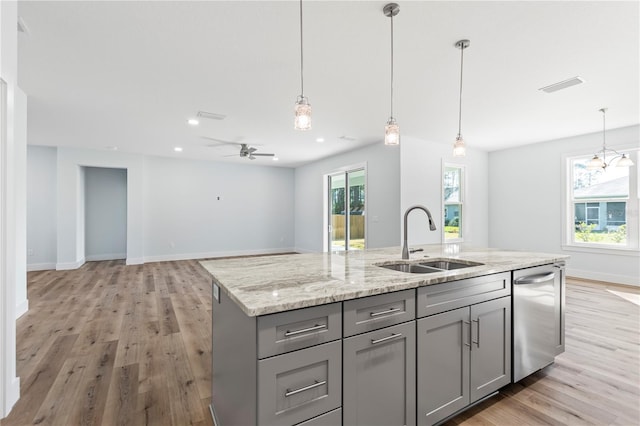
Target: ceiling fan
point(246, 151)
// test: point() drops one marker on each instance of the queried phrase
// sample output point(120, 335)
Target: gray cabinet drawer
point(372, 313)
point(289, 331)
point(332, 418)
point(436, 298)
point(297, 386)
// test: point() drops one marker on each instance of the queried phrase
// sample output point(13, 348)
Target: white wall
point(421, 181)
point(527, 197)
point(20, 198)
point(9, 169)
point(382, 191)
point(105, 213)
point(41, 207)
point(185, 219)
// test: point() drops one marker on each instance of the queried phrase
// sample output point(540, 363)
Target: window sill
point(616, 251)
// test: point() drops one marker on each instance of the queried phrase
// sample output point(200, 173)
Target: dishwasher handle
point(535, 279)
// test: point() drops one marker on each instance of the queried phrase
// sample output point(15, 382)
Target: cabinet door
point(379, 385)
point(443, 365)
point(490, 347)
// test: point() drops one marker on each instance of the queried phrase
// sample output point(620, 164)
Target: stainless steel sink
point(431, 266)
point(450, 264)
point(412, 268)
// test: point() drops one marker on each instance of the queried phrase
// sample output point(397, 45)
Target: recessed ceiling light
point(562, 84)
point(193, 121)
point(178, 149)
point(112, 148)
point(275, 158)
point(320, 140)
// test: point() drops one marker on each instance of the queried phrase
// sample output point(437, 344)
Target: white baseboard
point(110, 256)
point(11, 397)
point(69, 265)
point(22, 308)
point(134, 260)
point(190, 256)
point(301, 250)
point(599, 276)
point(31, 267)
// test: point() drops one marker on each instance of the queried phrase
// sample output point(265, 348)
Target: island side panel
point(234, 355)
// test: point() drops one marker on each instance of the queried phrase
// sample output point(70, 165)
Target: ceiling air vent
point(211, 115)
point(562, 84)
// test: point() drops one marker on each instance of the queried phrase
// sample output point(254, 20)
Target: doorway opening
point(105, 213)
point(346, 210)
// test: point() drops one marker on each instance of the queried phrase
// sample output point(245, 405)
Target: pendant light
point(302, 107)
point(459, 149)
point(391, 130)
point(601, 163)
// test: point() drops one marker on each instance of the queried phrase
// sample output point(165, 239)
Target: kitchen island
point(339, 338)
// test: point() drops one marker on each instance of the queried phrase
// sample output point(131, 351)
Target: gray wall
point(41, 207)
point(382, 204)
point(526, 204)
point(183, 217)
point(105, 213)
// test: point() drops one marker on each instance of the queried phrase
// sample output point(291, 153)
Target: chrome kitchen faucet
point(432, 227)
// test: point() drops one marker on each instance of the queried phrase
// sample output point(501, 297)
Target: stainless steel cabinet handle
point(387, 312)
point(384, 339)
point(306, 388)
point(534, 279)
point(477, 342)
point(466, 343)
point(316, 327)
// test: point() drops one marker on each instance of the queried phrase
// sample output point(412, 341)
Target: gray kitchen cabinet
point(379, 377)
point(463, 356)
point(299, 385)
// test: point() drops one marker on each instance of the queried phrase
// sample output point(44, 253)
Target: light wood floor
point(131, 345)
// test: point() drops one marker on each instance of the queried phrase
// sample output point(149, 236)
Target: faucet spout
point(432, 227)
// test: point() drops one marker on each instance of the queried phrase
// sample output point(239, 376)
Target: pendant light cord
point(460, 103)
point(391, 66)
point(301, 56)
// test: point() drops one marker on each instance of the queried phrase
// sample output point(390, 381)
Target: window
point(453, 194)
point(599, 203)
point(346, 225)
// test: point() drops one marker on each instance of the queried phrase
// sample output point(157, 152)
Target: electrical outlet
point(30, 252)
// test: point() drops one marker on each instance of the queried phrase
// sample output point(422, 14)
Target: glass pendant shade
point(303, 114)
point(595, 163)
point(459, 149)
point(392, 133)
point(624, 161)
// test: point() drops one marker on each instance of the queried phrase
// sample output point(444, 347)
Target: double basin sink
point(431, 266)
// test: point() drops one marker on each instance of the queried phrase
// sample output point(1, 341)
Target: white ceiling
point(129, 74)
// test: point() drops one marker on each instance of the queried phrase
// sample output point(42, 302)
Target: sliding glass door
point(346, 214)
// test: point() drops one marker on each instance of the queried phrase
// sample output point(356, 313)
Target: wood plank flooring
point(110, 344)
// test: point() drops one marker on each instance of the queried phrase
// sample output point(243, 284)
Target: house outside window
point(453, 202)
point(599, 202)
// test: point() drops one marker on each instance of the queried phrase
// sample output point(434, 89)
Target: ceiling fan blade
point(220, 142)
point(259, 154)
point(232, 155)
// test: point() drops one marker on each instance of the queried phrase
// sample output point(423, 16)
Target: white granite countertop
point(269, 284)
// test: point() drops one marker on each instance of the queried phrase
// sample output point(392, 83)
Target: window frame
point(569, 243)
point(461, 202)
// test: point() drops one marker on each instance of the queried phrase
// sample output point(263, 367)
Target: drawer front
point(332, 418)
point(289, 331)
point(436, 298)
point(375, 312)
point(300, 385)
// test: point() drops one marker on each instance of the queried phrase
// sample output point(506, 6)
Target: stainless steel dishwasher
point(538, 318)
